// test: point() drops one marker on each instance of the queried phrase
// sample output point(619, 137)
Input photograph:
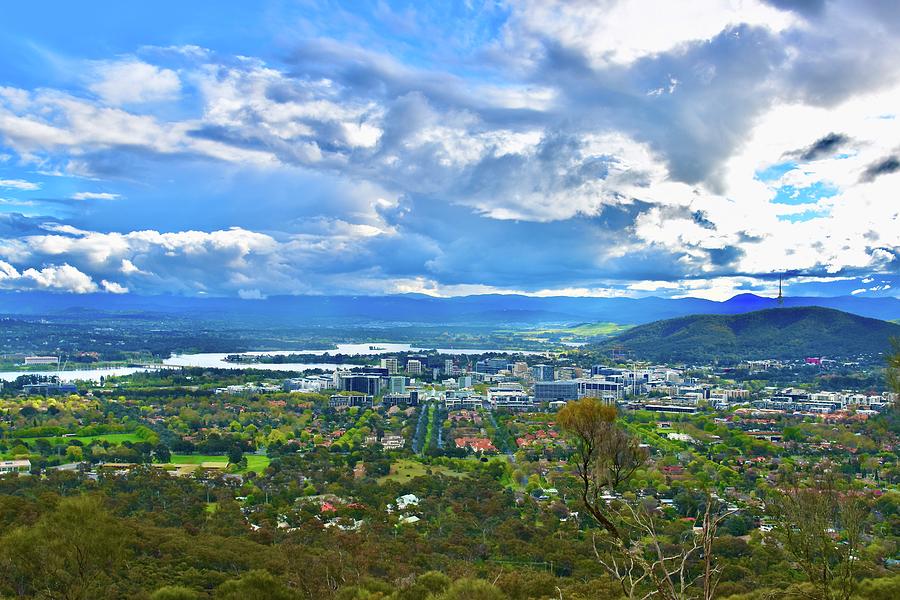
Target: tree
point(606, 456)
point(646, 565)
point(885, 588)
point(71, 552)
point(235, 454)
point(635, 553)
point(163, 454)
point(471, 589)
point(893, 366)
point(174, 592)
point(254, 585)
point(821, 529)
point(74, 453)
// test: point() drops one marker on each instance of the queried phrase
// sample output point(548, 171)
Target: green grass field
point(405, 470)
point(589, 329)
point(196, 459)
point(255, 462)
point(112, 438)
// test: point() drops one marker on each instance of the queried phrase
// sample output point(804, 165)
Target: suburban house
point(15, 466)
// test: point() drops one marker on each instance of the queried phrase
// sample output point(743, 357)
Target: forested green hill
point(774, 333)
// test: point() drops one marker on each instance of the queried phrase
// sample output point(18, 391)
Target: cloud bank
point(557, 147)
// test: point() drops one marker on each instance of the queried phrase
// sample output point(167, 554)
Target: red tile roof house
point(476, 444)
point(672, 470)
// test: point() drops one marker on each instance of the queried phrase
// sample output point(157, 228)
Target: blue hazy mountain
point(412, 308)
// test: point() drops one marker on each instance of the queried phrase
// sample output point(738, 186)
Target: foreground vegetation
point(170, 490)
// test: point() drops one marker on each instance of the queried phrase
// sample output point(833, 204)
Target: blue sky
point(523, 146)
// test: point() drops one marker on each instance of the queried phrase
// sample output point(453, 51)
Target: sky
point(585, 148)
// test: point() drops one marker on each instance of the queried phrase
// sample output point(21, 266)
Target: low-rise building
point(600, 388)
point(22, 467)
point(50, 388)
point(348, 400)
point(41, 360)
point(410, 398)
point(555, 391)
point(463, 402)
point(393, 442)
point(510, 396)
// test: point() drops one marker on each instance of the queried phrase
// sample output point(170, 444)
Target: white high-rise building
point(414, 367)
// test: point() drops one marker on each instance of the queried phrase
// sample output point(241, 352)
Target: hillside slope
point(773, 333)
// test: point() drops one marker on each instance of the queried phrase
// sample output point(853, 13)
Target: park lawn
point(405, 470)
point(255, 462)
point(198, 459)
point(112, 438)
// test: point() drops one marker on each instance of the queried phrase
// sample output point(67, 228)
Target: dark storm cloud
point(885, 166)
point(711, 94)
point(365, 74)
point(808, 8)
point(726, 257)
point(14, 225)
point(823, 147)
point(701, 219)
point(722, 86)
point(460, 246)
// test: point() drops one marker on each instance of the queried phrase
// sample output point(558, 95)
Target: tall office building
point(414, 367)
point(605, 371)
point(542, 372)
point(397, 384)
point(365, 384)
point(491, 366)
point(390, 364)
point(565, 373)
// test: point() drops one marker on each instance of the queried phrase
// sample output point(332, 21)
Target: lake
point(216, 360)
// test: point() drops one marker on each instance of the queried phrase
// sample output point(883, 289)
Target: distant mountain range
point(797, 332)
point(486, 310)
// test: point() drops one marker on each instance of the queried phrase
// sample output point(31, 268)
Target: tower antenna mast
point(780, 296)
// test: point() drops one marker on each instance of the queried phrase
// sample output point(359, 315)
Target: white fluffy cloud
point(586, 148)
point(95, 196)
point(133, 81)
point(233, 261)
point(113, 288)
point(45, 122)
point(19, 184)
point(611, 32)
point(59, 278)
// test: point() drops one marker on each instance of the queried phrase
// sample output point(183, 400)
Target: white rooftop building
point(15, 466)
